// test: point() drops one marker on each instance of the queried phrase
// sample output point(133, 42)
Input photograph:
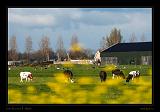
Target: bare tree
point(45, 47)
point(13, 55)
point(133, 38)
point(103, 43)
point(89, 53)
point(143, 39)
point(61, 52)
point(37, 56)
point(28, 43)
point(114, 37)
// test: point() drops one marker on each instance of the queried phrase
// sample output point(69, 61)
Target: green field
point(49, 86)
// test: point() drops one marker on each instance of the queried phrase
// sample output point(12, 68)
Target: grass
point(48, 87)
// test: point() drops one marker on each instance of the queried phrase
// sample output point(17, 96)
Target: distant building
point(139, 53)
point(14, 63)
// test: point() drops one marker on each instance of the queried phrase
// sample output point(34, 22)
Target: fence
point(75, 62)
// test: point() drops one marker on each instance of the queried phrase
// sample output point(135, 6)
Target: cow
point(26, 75)
point(103, 76)
point(69, 75)
point(132, 75)
point(118, 73)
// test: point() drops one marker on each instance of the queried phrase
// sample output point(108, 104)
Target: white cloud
point(64, 16)
point(86, 24)
point(71, 17)
point(50, 17)
point(30, 20)
point(138, 23)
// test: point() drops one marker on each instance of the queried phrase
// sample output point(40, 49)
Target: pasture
point(49, 86)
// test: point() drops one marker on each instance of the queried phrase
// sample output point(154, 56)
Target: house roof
point(129, 47)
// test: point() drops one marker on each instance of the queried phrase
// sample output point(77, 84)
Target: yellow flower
point(85, 80)
point(14, 96)
point(76, 48)
point(31, 89)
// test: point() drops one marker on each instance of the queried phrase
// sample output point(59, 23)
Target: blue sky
point(89, 24)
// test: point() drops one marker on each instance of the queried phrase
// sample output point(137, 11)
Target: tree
point(114, 37)
point(143, 39)
point(12, 54)
point(28, 43)
point(103, 43)
point(60, 51)
point(75, 46)
point(76, 51)
point(89, 53)
point(52, 54)
point(44, 47)
point(133, 38)
point(37, 56)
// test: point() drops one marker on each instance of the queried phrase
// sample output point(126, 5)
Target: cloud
point(104, 18)
point(67, 18)
point(47, 17)
point(90, 24)
point(30, 20)
point(61, 17)
point(139, 23)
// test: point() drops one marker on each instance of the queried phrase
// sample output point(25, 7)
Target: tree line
point(76, 51)
point(45, 52)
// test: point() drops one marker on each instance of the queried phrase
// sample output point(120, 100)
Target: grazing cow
point(117, 73)
point(26, 75)
point(132, 75)
point(103, 76)
point(69, 75)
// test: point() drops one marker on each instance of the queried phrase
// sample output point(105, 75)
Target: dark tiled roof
point(128, 47)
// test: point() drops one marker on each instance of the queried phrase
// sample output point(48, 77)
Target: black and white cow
point(103, 76)
point(26, 75)
point(69, 75)
point(132, 75)
point(118, 73)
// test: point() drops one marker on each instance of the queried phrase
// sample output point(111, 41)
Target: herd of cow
point(119, 74)
point(102, 74)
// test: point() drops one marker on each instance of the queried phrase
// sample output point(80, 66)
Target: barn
point(138, 53)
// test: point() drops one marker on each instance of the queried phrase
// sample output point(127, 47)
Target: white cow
point(26, 75)
point(134, 74)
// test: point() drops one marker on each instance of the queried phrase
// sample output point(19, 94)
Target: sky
point(88, 24)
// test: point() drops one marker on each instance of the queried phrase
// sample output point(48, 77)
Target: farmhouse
point(139, 53)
